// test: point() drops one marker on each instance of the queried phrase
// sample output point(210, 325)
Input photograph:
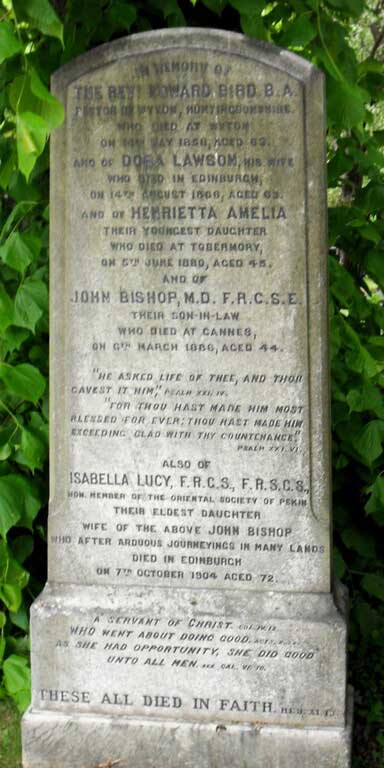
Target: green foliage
point(38, 36)
point(10, 736)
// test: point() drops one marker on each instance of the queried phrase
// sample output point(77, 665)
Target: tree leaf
point(52, 110)
point(350, 7)
point(375, 504)
point(20, 618)
point(22, 548)
point(346, 103)
point(9, 43)
point(7, 168)
point(367, 618)
point(17, 680)
point(6, 309)
point(34, 449)
point(31, 301)
point(42, 16)
point(24, 381)
point(368, 398)
point(374, 585)
point(361, 542)
point(339, 565)
point(253, 26)
point(123, 14)
point(217, 6)
point(248, 7)
point(369, 442)
point(19, 212)
point(6, 434)
point(32, 503)
point(298, 33)
point(13, 579)
point(10, 506)
point(16, 253)
point(13, 338)
point(31, 135)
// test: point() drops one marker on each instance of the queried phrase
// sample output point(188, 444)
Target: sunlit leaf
point(16, 253)
point(42, 16)
point(17, 679)
point(9, 43)
point(31, 302)
point(31, 133)
point(24, 381)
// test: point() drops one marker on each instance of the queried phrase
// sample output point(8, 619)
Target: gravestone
point(188, 618)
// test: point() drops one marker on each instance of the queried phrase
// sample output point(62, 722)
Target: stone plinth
point(53, 740)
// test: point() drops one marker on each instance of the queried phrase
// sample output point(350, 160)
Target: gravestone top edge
point(223, 41)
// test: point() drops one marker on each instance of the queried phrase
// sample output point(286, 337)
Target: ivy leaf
point(373, 199)
point(375, 504)
point(31, 501)
point(11, 596)
point(7, 168)
point(17, 680)
point(367, 618)
point(374, 585)
point(13, 338)
point(374, 261)
point(6, 435)
point(16, 253)
point(20, 618)
point(345, 103)
point(253, 27)
point(362, 543)
point(31, 135)
point(19, 212)
point(13, 579)
point(9, 44)
point(368, 443)
point(352, 7)
point(217, 6)
point(42, 16)
point(358, 358)
point(339, 565)
point(123, 14)
point(34, 449)
point(31, 302)
point(298, 33)
point(10, 507)
point(6, 309)
point(24, 381)
point(22, 548)
point(248, 7)
point(52, 110)
point(368, 398)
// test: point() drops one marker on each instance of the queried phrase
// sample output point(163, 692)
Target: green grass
point(10, 737)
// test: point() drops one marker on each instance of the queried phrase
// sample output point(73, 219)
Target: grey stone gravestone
point(188, 619)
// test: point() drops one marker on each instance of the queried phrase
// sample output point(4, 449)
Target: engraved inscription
point(188, 410)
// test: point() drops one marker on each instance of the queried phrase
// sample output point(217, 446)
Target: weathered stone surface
point(188, 618)
point(190, 416)
point(270, 658)
point(52, 740)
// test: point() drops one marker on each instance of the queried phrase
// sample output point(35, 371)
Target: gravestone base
point(207, 655)
point(54, 740)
